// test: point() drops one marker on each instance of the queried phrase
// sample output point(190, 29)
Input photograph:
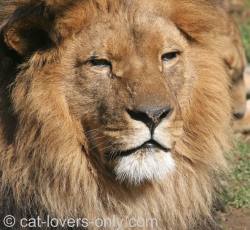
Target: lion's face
point(134, 77)
point(235, 61)
point(130, 77)
point(229, 39)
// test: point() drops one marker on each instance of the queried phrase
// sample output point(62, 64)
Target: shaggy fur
point(228, 38)
point(51, 102)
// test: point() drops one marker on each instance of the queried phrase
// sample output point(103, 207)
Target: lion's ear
point(28, 30)
point(196, 19)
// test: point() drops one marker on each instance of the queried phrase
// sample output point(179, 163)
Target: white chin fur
point(144, 165)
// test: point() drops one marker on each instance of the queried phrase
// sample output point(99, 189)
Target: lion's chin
point(144, 165)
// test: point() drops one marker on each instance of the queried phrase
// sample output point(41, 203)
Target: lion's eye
point(170, 56)
point(100, 63)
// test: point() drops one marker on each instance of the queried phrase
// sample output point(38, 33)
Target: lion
point(236, 62)
point(229, 40)
point(118, 110)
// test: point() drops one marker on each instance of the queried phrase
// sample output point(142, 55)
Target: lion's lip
point(152, 144)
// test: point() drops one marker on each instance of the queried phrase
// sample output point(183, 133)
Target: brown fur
point(228, 39)
point(47, 161)
point(236, 63)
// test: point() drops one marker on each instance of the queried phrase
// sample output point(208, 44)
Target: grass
point(244, 24)
point(237, 193)
point(245, 31)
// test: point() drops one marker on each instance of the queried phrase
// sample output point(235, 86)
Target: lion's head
point(235, 61)
point(227, 37)
point(112, 107)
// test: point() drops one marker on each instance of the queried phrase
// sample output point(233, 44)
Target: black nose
point(150, 116)
point(239, 115)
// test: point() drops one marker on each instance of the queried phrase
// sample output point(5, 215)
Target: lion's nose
point(150, 116)
point(239, 115)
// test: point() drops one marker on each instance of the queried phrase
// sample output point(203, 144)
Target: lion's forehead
point(147, 34)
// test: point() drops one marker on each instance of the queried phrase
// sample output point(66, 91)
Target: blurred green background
point(236, 214)
point(241, 11)
point(245, 28)
point(238, 192)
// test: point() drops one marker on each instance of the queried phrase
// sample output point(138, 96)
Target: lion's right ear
point(29, 29)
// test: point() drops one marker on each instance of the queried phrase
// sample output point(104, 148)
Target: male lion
point(227, 37)
point(235, 61)
point(112, 109)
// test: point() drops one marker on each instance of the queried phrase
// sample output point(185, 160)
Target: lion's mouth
point(149, 145)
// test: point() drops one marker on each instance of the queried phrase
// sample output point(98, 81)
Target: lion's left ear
point(196, 19)
point(29, 29)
